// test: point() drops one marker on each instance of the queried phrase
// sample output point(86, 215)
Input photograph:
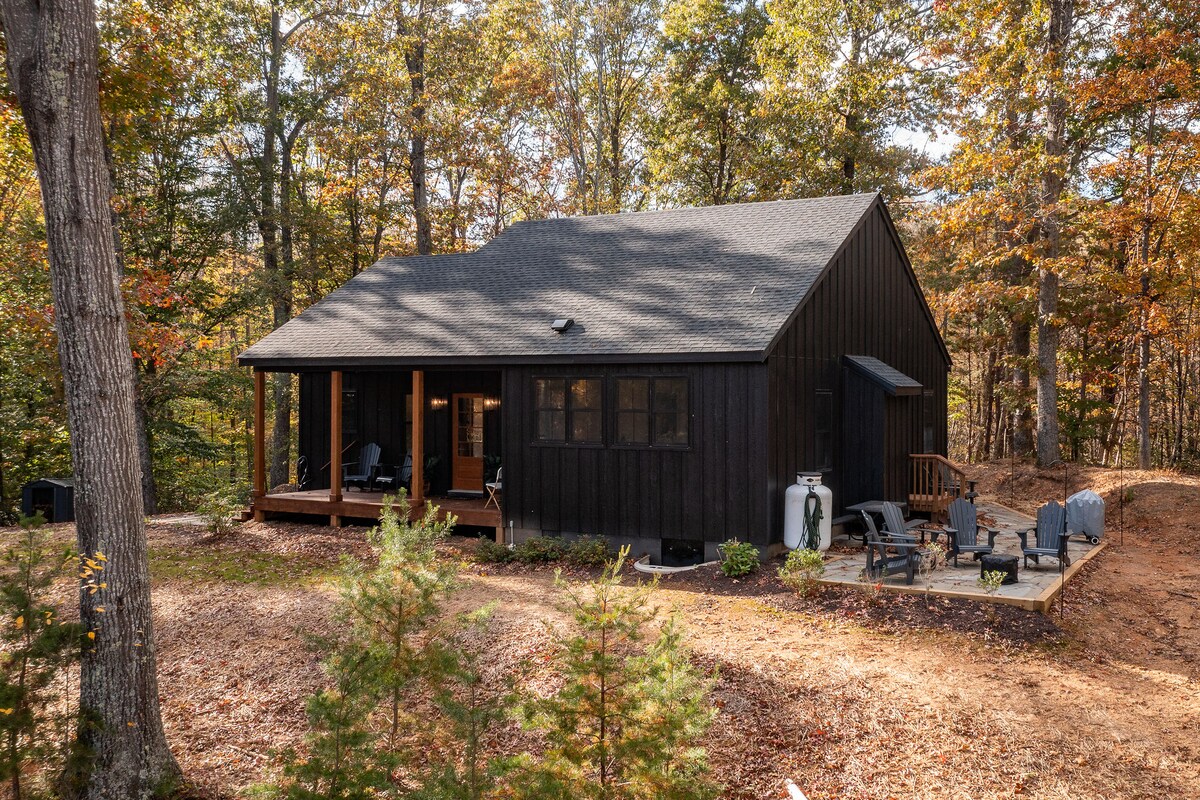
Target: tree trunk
point(1022, 416)
point(1062, 19)
point(278, 281)
point(1048, 449)
point(3, 485)
point(414, 61)
point(1143, 417)
point(988, 403)
point(1144, 256)
point(1081, 414)
point(145, 453)
point(52, 64)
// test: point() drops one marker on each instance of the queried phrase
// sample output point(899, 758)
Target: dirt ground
point(848, 695)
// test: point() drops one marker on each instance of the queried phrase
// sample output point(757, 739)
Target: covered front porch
point(435, 432)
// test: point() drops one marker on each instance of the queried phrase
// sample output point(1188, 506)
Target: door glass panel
point(470, 427)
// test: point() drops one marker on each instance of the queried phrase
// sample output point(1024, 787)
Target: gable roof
point(713, 283)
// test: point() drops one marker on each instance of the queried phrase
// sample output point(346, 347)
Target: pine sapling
point(37, 647)
point(464, 768)
point(343, 760)
point(387, 605)
point(626, 721)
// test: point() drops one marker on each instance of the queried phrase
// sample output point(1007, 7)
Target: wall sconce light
point(491, 403)
point(437, 403)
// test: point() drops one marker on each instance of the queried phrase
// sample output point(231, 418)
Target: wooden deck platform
point(368, 505)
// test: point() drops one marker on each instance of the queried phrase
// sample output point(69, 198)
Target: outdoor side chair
point(872, 530)
point(494, 488)
point(390, 477)
point(964, 529)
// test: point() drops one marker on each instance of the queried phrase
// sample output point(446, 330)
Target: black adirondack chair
point(361, 473)
point(964, 529)
point(881, 563)
point(390, 477)
point(883, 535)
point(1050, 535)
point(894, 526)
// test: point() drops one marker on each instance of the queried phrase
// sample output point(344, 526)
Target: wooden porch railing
point(936, 482)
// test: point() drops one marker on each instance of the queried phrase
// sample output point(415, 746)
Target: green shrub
point(489, 551)
point(539, 550)
point(802, 569)
point(219, 510)
point(589, 551)
point(991, 581)
point(738, 558)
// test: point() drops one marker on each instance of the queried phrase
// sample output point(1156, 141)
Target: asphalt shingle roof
point(719, 280)
point(893, 381)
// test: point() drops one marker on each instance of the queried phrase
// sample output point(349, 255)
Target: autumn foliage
point(1041, 159)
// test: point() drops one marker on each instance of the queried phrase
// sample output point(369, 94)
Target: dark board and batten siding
point(710, 491)
point(869, 304)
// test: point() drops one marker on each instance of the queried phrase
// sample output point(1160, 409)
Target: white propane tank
point(795, 500)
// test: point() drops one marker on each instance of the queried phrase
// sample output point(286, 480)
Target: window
point(928, 427)
point(633, 411)
point(652, 411)
point(349, 417)
point(823, 431)
point(550, 402)
point(586, 413)
point(569, 410)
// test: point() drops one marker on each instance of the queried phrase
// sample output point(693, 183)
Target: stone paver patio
point(1037, 586)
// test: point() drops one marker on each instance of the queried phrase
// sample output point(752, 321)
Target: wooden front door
point(467, 469)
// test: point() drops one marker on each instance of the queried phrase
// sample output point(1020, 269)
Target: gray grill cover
point(1085, 513)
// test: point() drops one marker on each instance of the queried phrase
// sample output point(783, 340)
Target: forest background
point(1042, 158)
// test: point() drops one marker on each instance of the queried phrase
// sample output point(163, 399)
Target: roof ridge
point(710, 207)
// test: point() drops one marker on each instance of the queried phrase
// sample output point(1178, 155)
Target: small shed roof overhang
point(890, 379)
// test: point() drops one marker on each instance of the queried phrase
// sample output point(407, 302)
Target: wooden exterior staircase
point(936, 482)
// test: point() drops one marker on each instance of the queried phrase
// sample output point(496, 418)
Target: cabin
point(658, 378)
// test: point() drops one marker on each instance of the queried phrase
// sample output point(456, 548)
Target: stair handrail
point(930, 482)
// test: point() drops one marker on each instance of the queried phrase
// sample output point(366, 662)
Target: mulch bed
point(881, 611)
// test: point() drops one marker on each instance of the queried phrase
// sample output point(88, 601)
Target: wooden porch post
point(260, 450)
point(418, 438)
point(335, 442)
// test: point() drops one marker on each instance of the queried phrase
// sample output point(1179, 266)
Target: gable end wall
point(866, 304)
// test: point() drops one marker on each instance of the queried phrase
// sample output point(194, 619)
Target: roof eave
point(288, 364)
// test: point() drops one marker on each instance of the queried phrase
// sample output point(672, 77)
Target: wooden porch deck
point(368, 505)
